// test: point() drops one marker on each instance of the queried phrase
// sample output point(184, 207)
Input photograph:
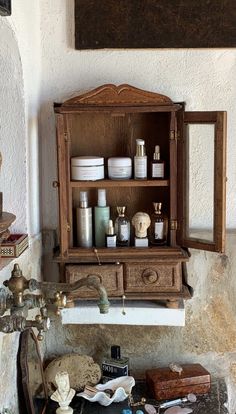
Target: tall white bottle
point(140, 161)
point(101, 219)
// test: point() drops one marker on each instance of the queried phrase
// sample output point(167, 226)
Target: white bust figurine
point(64, 394)
point(141, 221)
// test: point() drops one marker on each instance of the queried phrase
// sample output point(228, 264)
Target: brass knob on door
point(149, 276)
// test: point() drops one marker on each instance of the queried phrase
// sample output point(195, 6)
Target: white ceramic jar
point(119, 168)
point(87, 168)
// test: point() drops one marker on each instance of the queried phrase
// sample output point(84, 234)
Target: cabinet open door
point(202, 180)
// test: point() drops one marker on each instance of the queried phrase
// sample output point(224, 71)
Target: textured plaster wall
point(203, 78)
point(19, 178)
point(12, 124)
point(38, 59)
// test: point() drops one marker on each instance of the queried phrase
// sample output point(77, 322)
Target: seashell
point(150, 409)
point(178, 410)
point(121, 387)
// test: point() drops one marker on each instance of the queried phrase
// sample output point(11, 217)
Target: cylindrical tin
point(119, 168)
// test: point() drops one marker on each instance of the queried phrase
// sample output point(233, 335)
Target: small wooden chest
point(14, 246)
point(165, 384)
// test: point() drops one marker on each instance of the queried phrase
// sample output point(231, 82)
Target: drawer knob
point(149, 276)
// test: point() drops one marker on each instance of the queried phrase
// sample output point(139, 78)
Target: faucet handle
point(42, 324)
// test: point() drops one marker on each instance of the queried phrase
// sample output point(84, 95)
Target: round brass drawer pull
point(149, 276)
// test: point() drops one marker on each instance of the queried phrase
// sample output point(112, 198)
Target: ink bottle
point(115, 366)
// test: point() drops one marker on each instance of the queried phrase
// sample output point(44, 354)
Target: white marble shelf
point(137, 313)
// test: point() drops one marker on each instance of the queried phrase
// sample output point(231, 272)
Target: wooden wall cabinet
point(106, 122)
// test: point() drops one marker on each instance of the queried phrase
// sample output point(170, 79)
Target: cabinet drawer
point(111, 276)
point(153, 277)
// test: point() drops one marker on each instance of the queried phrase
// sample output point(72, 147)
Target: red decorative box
point(14, 245)
point(165, 384)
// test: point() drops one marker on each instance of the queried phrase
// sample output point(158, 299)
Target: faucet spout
point(91, 281)
point(19, 303)
point(51, 289)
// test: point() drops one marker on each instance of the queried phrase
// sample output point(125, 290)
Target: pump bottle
point(101, 219)
point(140, 161)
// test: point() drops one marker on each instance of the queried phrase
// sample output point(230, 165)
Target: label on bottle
point(114, 369)
point(158, 170)
point(159, 231)
point(124, 232)
point(111, 241)
point(140, 167)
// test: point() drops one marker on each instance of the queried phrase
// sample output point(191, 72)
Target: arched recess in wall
point(12, 127)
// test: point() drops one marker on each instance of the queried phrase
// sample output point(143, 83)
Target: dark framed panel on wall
point(155, 24)
point(5, 7)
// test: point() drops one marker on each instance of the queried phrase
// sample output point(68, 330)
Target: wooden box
point(165, 384)
point(14, 245)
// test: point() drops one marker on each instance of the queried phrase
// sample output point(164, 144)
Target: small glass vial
point(110, 235)
point(140, 161)
point(122, 227)
point(159, 226)
point(157, 165)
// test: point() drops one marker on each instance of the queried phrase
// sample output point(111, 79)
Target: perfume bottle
point(140, 161)
point(110, 235)
point(84, 221)
point(101, 219)
point(122, 227)
point(115, 365)
point(157, 165)
point(159, 226)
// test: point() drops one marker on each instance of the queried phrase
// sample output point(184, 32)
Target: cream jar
point(87, 168)
point(119, 168)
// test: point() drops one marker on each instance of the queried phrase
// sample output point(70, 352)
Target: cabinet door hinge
point(173, 135)
point(65, 136)
point(68, 227)
point(173, 225)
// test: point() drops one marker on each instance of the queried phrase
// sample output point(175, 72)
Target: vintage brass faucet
point(56, 294)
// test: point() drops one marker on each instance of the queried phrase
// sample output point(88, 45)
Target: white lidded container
point(87, 168)
point(119, 168)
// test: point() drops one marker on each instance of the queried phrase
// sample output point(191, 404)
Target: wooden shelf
point(119, 183)
point(152, 254)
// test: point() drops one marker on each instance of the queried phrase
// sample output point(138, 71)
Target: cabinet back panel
point(111, 134)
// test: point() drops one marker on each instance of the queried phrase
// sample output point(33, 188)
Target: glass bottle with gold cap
point(157, 165)
point(122, 228)
point(159, 226)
